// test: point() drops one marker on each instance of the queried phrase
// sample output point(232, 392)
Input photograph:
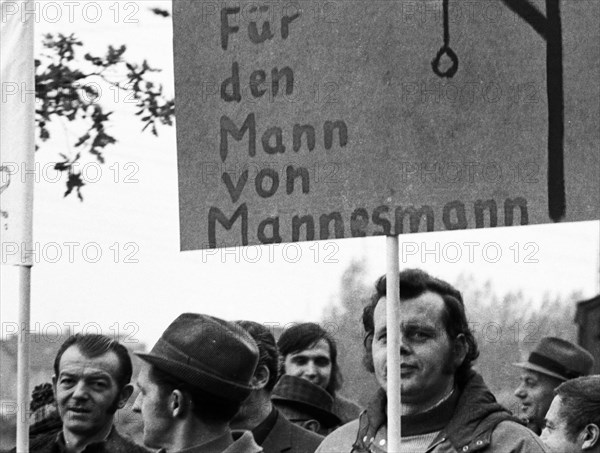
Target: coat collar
point(476, 413)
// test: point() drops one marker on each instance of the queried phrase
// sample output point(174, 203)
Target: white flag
point(17, 130)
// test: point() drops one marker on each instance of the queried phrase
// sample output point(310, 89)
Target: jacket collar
point(280, 436)
point(475, 416)
point(477, 413)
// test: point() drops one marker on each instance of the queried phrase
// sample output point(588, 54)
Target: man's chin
point(152, 443)
point(81, 428)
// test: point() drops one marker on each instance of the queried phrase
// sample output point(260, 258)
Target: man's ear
point(124, 395)
point(591, 436)
point(460, 349)
point(54, 382)
point(179, 403)
point(261, 377)
point(312, 425)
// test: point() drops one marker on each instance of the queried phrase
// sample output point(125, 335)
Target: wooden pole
point(393, 346)
point(23, 359)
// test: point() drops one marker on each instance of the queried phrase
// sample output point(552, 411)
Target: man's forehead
point(143, 377)
point(426, 309)
point(320, 348)
point(553, 413)
point(539, 378)
point(529, 374)
point(74, 361)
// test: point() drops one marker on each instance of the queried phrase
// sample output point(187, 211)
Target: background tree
point(67, 86)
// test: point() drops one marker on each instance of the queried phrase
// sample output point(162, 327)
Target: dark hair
point(413, 283)
point(306, 335)
point(95, 345)
point(268, 354)
point(206, 406)
point(580, 403)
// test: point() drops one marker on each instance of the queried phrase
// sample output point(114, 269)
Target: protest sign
point(309, 120)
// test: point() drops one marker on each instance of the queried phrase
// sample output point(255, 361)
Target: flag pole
point(17, 163)
point(23, 359)
point(393, 345)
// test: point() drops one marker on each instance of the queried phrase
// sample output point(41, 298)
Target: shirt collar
point(62, 445)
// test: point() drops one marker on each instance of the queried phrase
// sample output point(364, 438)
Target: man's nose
point(80, 390)
point(520, 392)
point(311, 369)
point(137, 404)
point(404, 347)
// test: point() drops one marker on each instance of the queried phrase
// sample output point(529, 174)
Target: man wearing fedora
point(552, 362)
point(193, 382)
point(271, 430)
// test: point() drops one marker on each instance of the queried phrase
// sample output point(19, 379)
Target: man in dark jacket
point(445, 405)
point(573, 421)
point(271, 430)
point(91, 382)
point(193, 382)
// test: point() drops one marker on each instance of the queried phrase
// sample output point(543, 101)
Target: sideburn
point(115, 404)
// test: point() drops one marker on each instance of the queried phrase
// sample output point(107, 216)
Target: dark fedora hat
point(307, 397)
point(559, 358)
point(208, 353)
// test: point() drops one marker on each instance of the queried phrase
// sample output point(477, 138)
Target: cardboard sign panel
point(310, 120)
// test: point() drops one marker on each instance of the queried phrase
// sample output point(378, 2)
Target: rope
point(445, 49)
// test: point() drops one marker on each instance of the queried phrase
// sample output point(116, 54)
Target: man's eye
point(322, 362)
point(417, 335)
point(99, 384)
point(66, 381)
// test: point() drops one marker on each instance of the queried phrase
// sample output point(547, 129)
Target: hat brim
point(328, 418)
point(539, 369)
point(211, 383)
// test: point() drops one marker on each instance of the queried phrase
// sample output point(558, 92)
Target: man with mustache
point(552, 362)
point(91, 382)
point(445, 405)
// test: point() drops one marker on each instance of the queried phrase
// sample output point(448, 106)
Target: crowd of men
point(215, 386)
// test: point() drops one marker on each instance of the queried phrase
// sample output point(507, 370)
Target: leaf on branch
point(114, 55)
point(160, 12)
point(84, 138)
point(63, 90)
point(94, 60)
point(74, 182)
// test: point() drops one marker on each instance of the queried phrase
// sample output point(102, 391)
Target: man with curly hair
point(445, 405)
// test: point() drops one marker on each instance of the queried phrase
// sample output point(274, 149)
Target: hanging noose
point(445, 50)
